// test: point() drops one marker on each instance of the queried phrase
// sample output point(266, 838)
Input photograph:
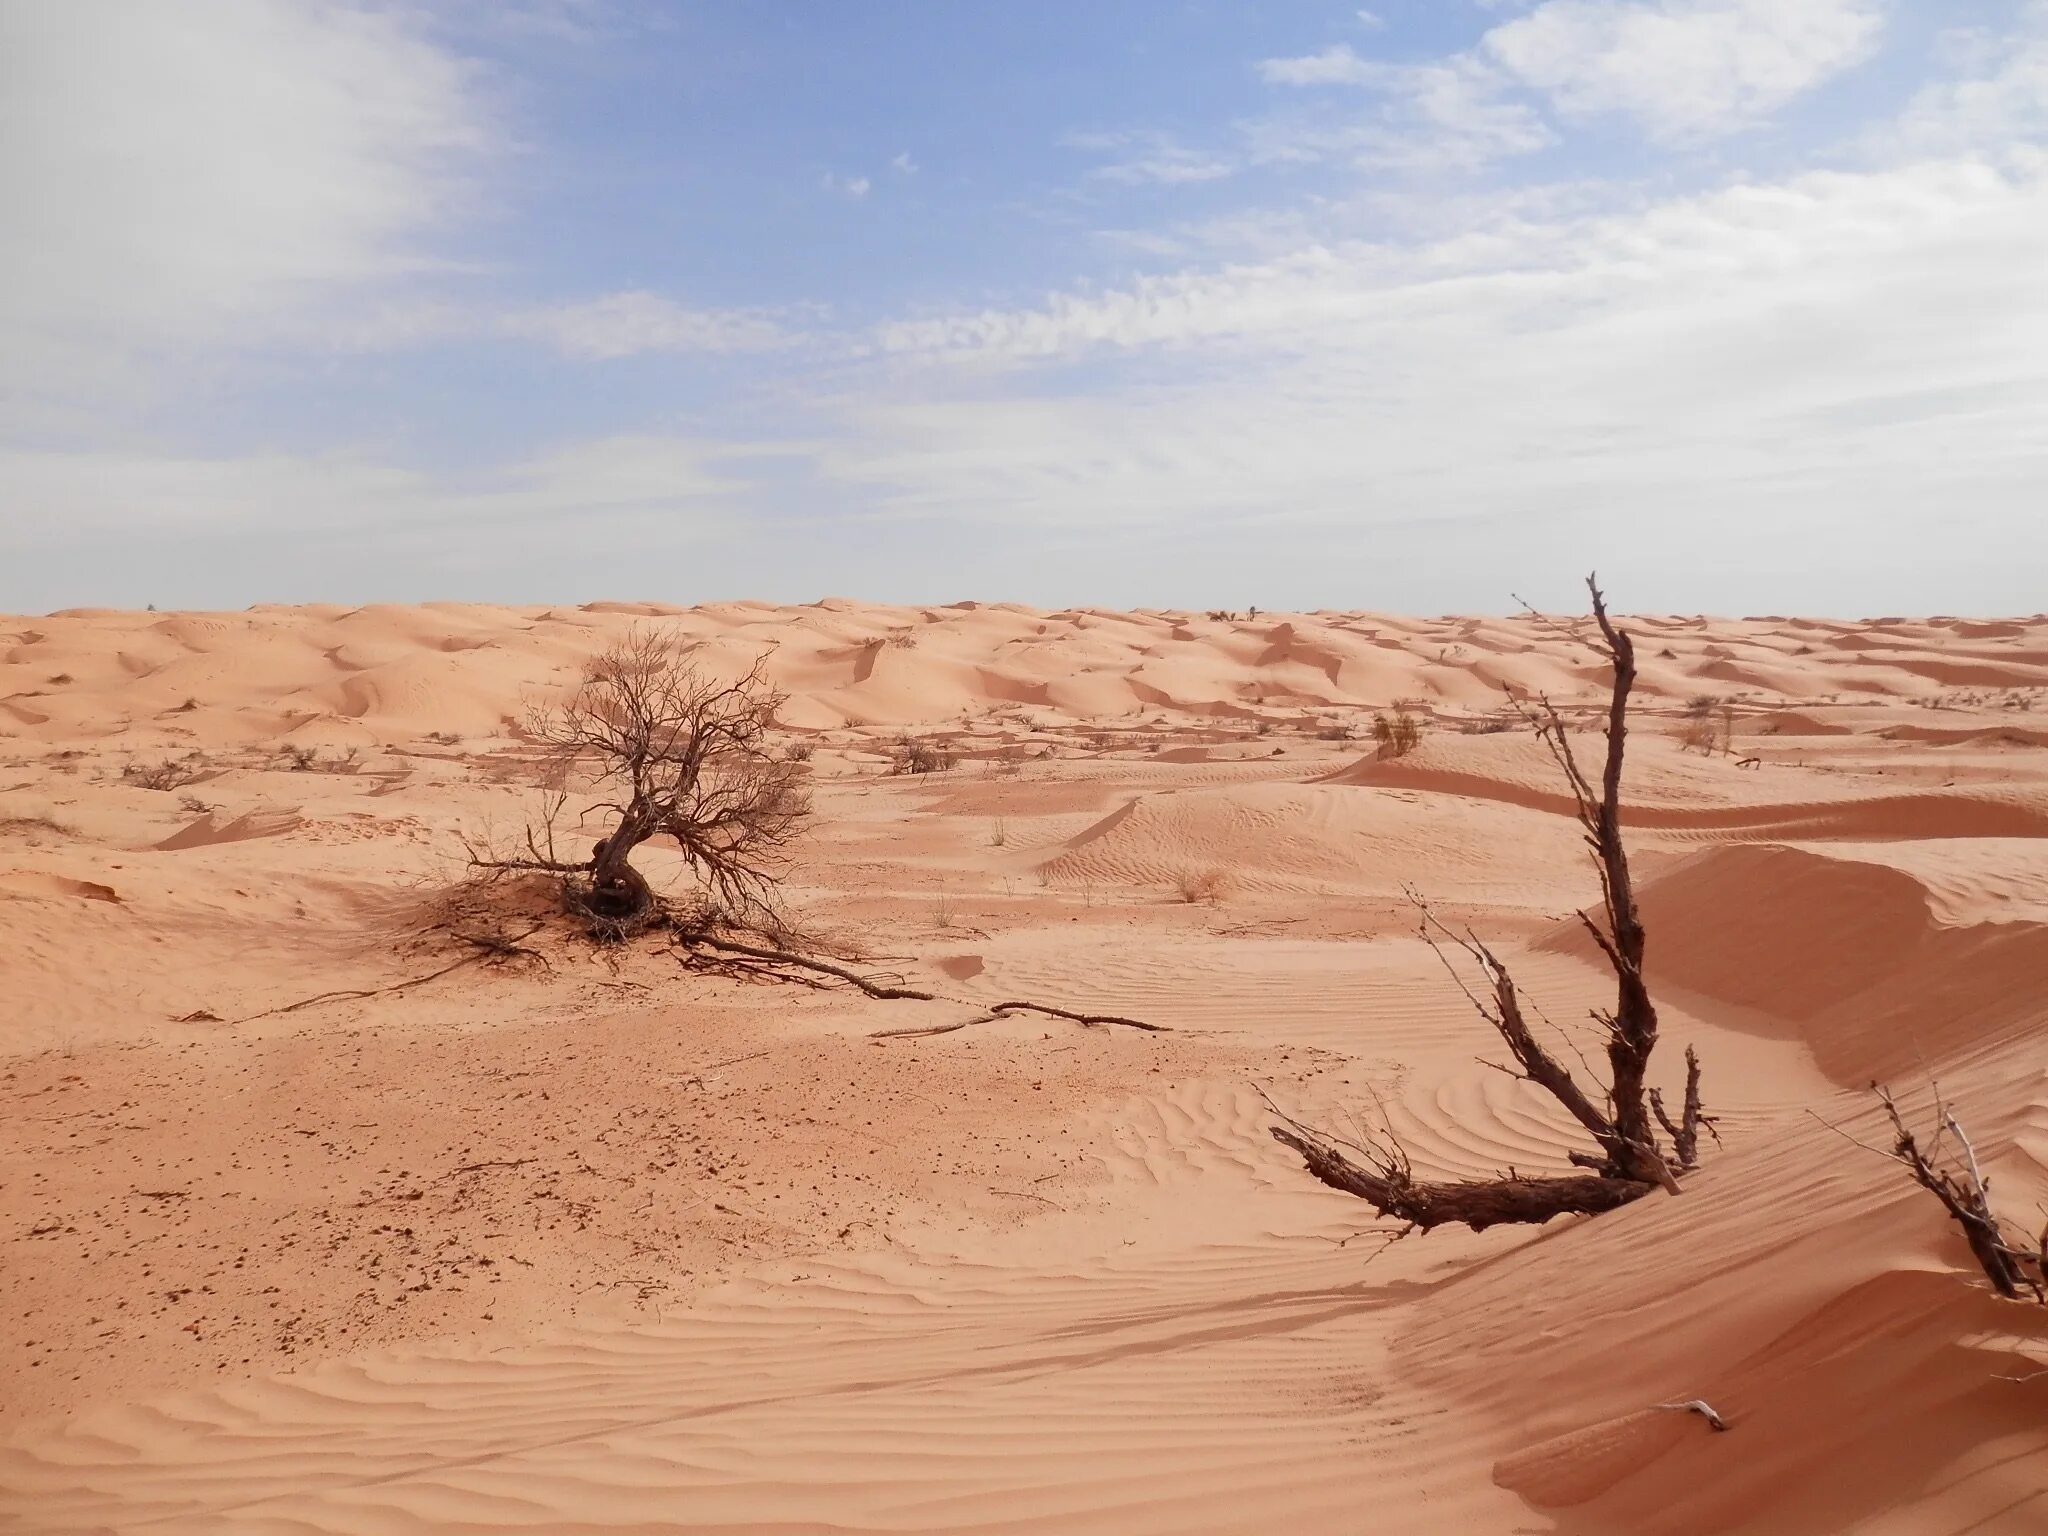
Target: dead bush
point(1623, 1116)
point(682, 756)
point(166, 773)
point(913, 754)
point(1205, 886)
point(1398, 733)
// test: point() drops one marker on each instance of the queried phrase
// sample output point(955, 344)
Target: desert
point(916, 768)
point(574, 1236)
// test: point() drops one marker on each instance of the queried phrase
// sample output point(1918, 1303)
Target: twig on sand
point(1699, 1406)
point(1000, 1010)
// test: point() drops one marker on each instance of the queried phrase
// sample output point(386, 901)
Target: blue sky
point(1290, 304)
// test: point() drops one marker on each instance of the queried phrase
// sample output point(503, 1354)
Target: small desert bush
point(1334, 730)
point(1700, 731)
point(998, 833)
point(1398, 734)
point(443, 738)
point(296, 758)
point(61, 679)
point(167, 773)
point(35, 824)
point(798, 752)
point(1489, 725)
point(1207, 885)
point(914, 755)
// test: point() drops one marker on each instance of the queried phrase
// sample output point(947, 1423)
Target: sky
point(1428, 307)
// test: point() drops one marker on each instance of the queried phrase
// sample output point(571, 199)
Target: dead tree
point(675, 754)
point(2014, 1267)
point(1629, 1161)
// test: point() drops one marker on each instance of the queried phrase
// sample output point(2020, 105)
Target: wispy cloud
point(1137, 156)
point(1683, 68)
point(623, 324)
point(855, 187)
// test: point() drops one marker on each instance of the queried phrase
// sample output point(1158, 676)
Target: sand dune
point(589, 1243)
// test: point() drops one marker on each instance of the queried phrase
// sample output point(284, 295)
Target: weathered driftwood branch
point(1392, 1190)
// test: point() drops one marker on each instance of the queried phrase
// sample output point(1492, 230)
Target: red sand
point(607, 1247)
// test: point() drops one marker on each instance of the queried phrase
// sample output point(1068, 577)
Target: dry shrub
point(1207, 885)
point(168, 773)
point(913, 754)
point(1490, 725)
point(798, 752)
point(680, 756)
point(35, 824)
point(1701, 733)
point(1335, 730)
point(1398, 734)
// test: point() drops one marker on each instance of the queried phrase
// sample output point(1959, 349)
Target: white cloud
point(1998, 103)
point(1780, 368)
point(193, 176)
point(1338, 64)
point(855, 187)
point(1445, 115)
point(1141, 156)
point(160, 495)
point(623, 324)
point(1684, 68)
point(903, 165)
point(1372, 21)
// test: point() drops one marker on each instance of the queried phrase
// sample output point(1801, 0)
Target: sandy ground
point(582, 1242)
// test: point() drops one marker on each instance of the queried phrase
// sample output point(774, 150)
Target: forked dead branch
point(1628, 1160)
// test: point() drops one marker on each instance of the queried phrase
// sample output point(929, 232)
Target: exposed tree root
point(1392, 1190)
point(490, 949)
point(781, 957)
